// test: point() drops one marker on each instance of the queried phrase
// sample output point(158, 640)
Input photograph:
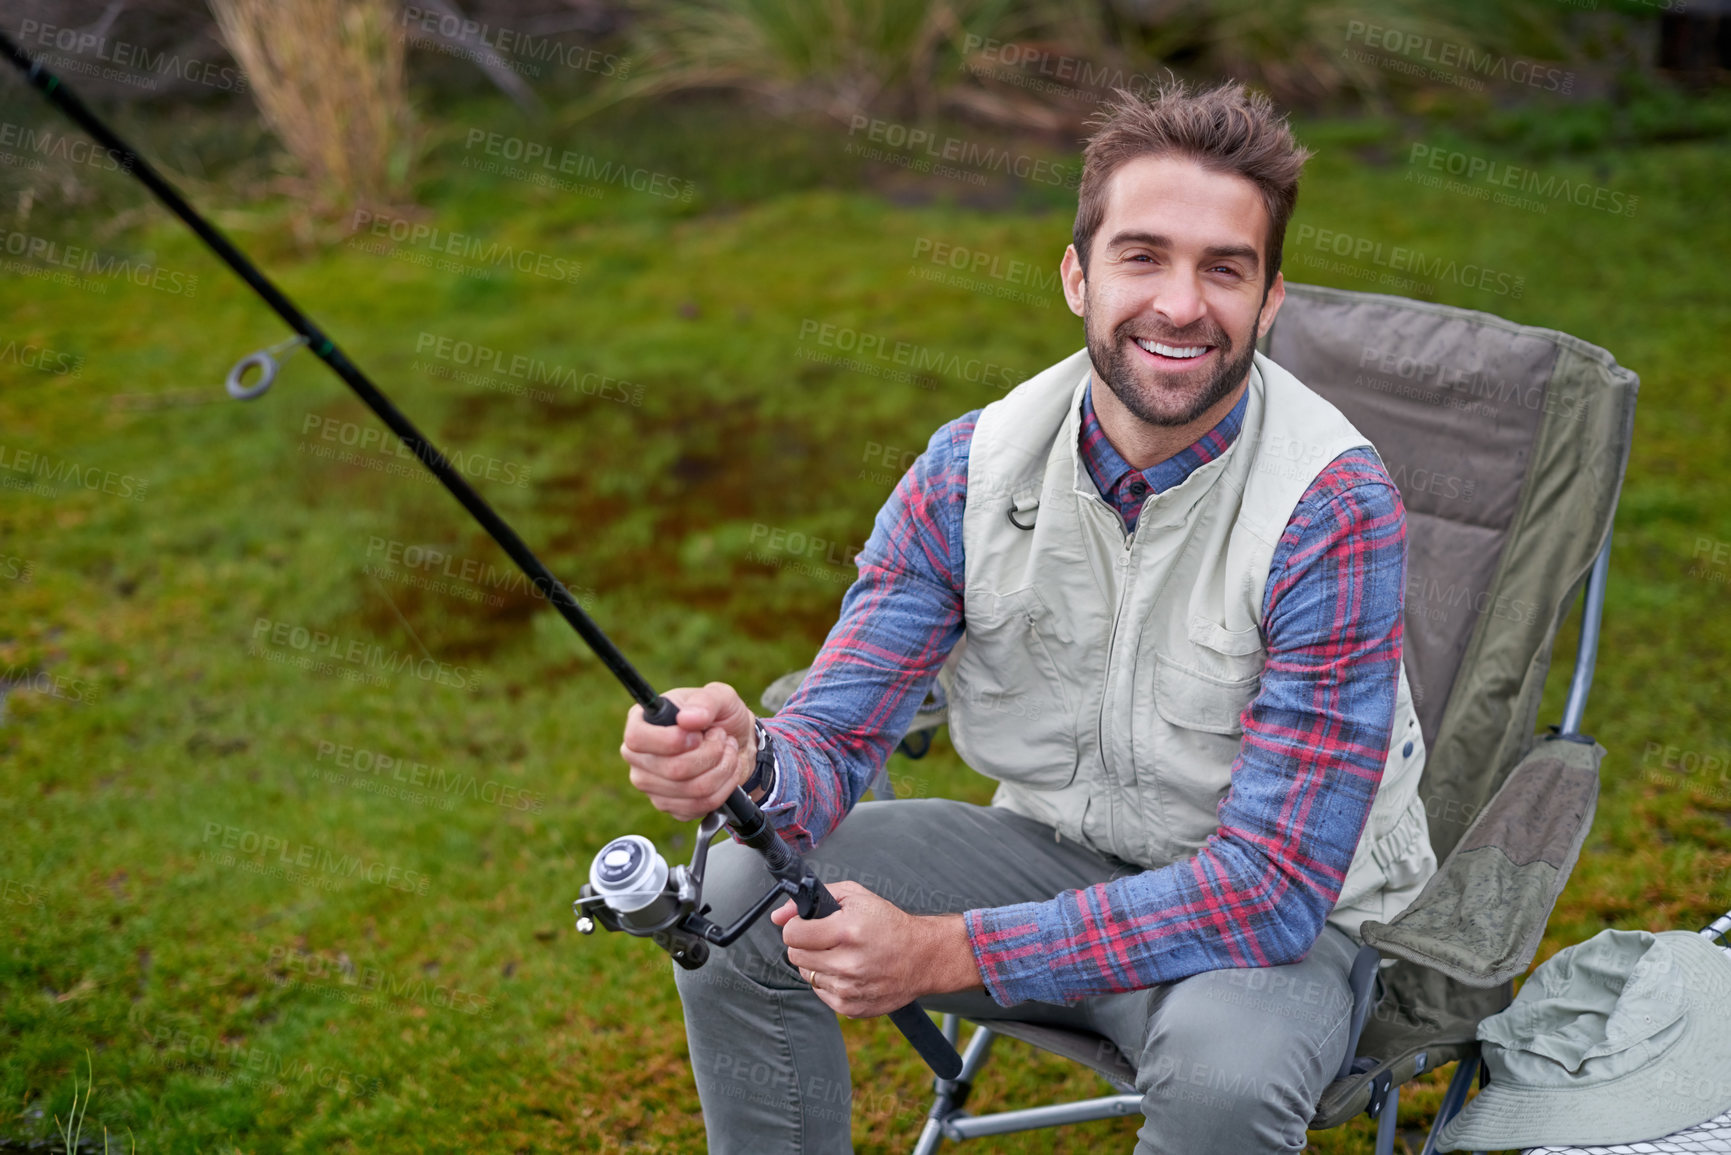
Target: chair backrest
point(1508, 444)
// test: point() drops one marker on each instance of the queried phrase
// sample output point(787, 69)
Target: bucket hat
point(1624, 1037)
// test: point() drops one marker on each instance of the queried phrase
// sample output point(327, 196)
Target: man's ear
point(1075, 284)
point(1271, 305)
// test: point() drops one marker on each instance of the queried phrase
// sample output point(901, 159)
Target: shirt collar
point(1124, 488)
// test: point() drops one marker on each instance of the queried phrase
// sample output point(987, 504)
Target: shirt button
point(1138, 489)
point(1406, 751)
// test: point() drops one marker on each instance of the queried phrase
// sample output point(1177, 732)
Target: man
point(1180, 574)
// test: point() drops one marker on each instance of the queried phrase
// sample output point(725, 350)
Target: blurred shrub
point(843, 57)
point(328, 77)
point(839, 57)
point(1299, 51)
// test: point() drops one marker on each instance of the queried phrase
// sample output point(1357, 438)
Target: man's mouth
point(1162, 351)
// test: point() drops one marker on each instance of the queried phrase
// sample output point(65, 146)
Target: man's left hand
point(871, 957)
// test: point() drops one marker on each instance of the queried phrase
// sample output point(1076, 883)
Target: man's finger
point(691, 798)
point(663, 741)
point(822, 961)
point(640, 735)
point(813, 934)
point(685, 765)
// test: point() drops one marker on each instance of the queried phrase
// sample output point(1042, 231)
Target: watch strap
point(763, 772)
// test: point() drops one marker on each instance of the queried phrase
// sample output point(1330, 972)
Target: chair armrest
point(1480, 918)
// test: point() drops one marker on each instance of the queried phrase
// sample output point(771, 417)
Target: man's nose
point(1178, 300)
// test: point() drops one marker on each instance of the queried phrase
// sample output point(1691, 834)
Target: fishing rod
point(631, 888)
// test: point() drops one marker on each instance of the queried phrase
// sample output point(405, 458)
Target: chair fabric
point(1495, 433)
point(1508, 444)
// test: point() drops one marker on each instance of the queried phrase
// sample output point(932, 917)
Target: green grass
point(227, 1009)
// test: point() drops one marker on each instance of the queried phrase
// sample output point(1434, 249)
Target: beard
point(1162, 397)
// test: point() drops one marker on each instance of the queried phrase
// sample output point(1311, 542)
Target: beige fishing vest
point(1102, 676)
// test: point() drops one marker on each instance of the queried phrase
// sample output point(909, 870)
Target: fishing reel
point(632, 889)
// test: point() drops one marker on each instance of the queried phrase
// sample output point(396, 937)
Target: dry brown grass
point(328, 77)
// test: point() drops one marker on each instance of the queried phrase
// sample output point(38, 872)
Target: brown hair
point(1225, 129)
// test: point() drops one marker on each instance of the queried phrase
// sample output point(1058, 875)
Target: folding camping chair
point(1508, 444)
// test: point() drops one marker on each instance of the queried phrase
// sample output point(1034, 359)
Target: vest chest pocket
point(1011, 714)
point(1184, 747)
point(1208, 701)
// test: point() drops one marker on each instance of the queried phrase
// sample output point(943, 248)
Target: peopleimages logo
point(485, 256)
point(49, 470)
point(313, 645)
point(302, 856)
point(228, 1060)
point(876, 355)
point(533, 370)
point(369, 985)
point(1367, 251)
point(60, 146)
point(1424, 50)
point(91, 263)
point(542, 157)
point(1501, 176)
point(134, 63)
point(372, 439)
point(934, 153)
point(512, 42)
point(1041, 70)
point(41, 358)
point(420, 775)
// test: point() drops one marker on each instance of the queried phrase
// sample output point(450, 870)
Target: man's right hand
point(689, 769)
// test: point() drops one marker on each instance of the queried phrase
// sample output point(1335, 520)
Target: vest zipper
point(1124, 586)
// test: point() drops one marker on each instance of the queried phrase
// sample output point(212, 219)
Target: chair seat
point(1085, 1047)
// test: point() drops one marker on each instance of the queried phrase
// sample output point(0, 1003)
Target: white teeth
point(1182, 351)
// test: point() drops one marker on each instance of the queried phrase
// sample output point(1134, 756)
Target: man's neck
point(1143, 445)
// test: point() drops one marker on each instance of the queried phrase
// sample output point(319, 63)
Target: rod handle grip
point(936, 1050)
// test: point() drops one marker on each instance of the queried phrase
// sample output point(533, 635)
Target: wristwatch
point(763, 773)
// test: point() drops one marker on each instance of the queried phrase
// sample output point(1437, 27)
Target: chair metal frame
point(950, 1119)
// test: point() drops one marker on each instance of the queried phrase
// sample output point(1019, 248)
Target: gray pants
point(1226, 1061)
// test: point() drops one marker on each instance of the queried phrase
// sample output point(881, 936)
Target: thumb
point(847, 888)
point(694, 712)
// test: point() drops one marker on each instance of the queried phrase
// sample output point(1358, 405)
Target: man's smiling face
point(1173, 296)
